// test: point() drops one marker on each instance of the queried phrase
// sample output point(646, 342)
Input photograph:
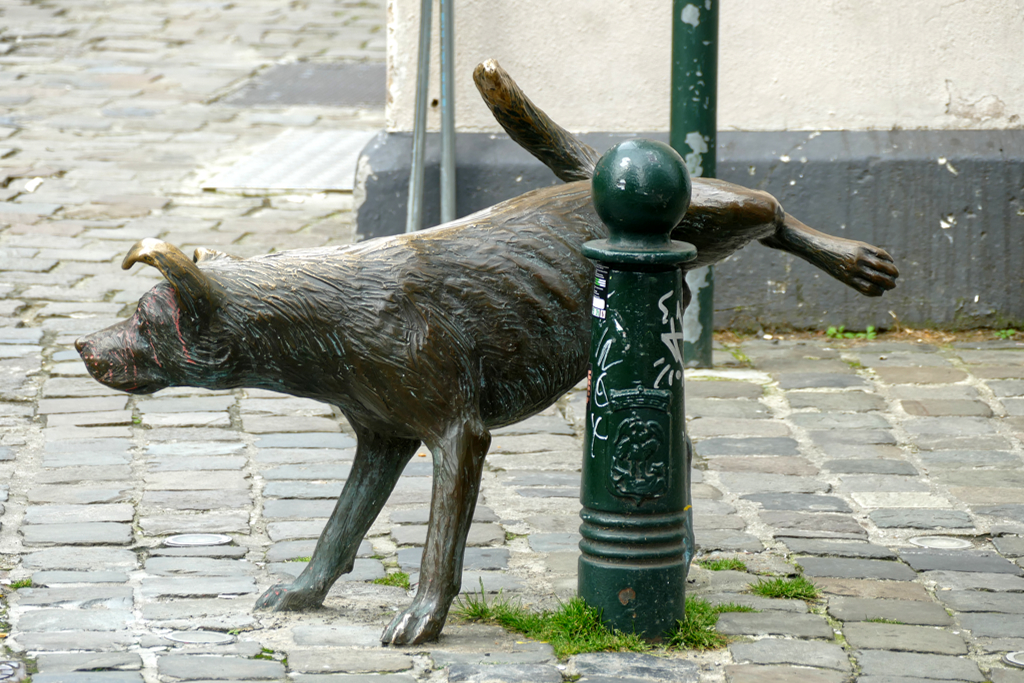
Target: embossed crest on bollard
point(637, 529)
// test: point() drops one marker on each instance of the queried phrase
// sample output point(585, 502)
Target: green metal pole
point(693, 134)
point(637, 534)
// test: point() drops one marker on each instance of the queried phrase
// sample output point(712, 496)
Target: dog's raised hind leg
point(458, 464)
point(378, 463)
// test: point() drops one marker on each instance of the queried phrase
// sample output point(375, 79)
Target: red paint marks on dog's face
point(162, 303)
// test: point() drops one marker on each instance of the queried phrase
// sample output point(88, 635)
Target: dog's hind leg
point(458, 464)
point(378, 463)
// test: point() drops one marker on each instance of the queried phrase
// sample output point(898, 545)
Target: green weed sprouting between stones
point(841, 333)
point(24, 583)
point(1008, 333)
point(797, 588)
point(697, 630)
point(722, 564)
point(576, 627)
point(881, 620)
point(299, 559)
point(400, 579)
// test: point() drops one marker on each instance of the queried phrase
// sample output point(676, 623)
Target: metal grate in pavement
point(298, 160)
point(346, 84)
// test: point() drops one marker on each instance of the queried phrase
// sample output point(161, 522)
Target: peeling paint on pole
point(694, 135)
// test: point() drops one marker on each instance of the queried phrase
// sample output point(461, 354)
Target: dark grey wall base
point(948, 206)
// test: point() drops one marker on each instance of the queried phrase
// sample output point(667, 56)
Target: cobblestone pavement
point(827, 457)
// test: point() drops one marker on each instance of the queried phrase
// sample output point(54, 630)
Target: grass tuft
point(572, 628)
point(881, 620)
point(24, 583)
point(697, 630)
point(400, 579)
point(723, 564)
point(797, 588)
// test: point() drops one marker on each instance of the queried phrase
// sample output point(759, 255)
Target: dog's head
point(166, 342)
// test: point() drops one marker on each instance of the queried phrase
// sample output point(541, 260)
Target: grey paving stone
point(798, 502)
point(938, 407)
point(303, 489)
point(721, 389)
point(1001, 675)
point(751, 446)
point(728, 540)
point(815, 525)
point(763, 482)
point(218, 614)
point(811, 546)
point(958, 561)
point(309, 440)
point(914, 612)
point(182, 450)
point(76, 640)
point(201, 566)
point(873, 483)
point(842, 401)
point(799, 652)
point(191, 668)
point(362, 570)
point(55, 578)
point(209, 523)
point(352, 678)
point(870, 466)
point(982, 601)
point(774, 623)
point(313, 471)
point(856, 568)
point(520, 652)
point(194, 500)
point(336, 635)
point(819, 421)
point(1008, 387)
point(702, 427)
point(196, 586)
point(79, 597)
point(867, 635)
point(79, 558)
point(770, 464)
point(303, 455)
point(750, 673)
point(938, 667)
point(221, 551)
point(89, 661)
point(475, 558)
point(77, 495)
point(757, 602)
point(1009, 546)
point(68, 514)
point(1014, 512)
point(830, 441)
point(85, 533)
point(421, 515)
point(739, 410)
point(196, 463)
point(549, 543)
point(503, 673)
point(187, 481)
point(992, 625)
point(920, 375)
point(633, 665)
point(73, 620)
point(920, 518)
point(347, 661)
point(986, 581)
point(277, 508)
point(89, 677)
point(816, 380)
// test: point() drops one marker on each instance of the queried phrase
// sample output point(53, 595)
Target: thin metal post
point(447, 110)
point(694, 135)
point(414, 213)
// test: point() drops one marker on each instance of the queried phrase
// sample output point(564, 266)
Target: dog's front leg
point(378, 463)
point(458, 464)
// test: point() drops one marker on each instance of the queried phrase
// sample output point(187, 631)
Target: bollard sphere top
point(641, 191)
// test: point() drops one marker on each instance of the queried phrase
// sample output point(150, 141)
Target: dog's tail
point(557, 148)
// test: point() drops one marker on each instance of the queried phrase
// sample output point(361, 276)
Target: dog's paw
point(418, 624)
point(288, 598)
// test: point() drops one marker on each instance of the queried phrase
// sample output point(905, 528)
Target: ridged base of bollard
point(645, 599)
point(634, 564)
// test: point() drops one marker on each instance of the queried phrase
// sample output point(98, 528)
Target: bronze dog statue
point(435, 337)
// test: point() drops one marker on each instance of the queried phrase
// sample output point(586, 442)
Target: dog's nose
point(79, 345)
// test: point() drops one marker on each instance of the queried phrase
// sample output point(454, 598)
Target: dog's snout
point(79, 346)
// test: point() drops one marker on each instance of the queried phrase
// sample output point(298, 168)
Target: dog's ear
point(203, 254)
point(194, 289)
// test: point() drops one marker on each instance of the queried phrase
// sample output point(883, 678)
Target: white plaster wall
point(603, 65)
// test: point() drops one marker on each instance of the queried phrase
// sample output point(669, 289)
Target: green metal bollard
point(637, 525)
